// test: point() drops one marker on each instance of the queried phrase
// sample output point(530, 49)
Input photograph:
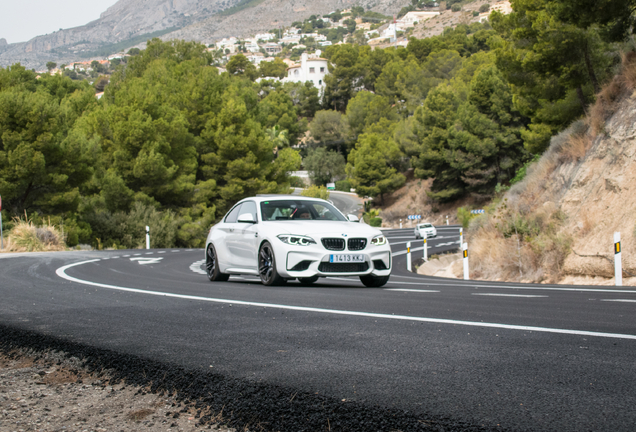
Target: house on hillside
point(312, 69)
point(413, 17)
point(272, 48)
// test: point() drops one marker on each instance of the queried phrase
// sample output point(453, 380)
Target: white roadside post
point(465, 250)
point(408, 256)
point(446, 219)
point(425, 250)
point(618, 265)
point(147, 237)
point(461, 236)
point(400, 223)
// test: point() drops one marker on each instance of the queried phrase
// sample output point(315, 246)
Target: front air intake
point(328, 267)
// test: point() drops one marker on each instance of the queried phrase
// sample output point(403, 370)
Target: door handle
point(255, 234)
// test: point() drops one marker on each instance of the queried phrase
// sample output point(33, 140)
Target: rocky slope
point(571, 202)
point(131, 22)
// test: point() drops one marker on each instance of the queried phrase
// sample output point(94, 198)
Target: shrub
point(343, 185)
point(464, 216)
point(316, 192)
point(521, 172)
point(456, 7)
point(128, 230)
point(295, 181)
point(25, 236)
point(375, 222)
point(484, 8)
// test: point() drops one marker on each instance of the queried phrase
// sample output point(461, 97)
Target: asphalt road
point(507, 356)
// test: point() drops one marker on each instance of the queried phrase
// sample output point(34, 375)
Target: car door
point(248, 237)
point(226, 245)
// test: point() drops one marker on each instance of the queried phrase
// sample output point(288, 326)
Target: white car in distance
point(284, 237)
point(425, 230)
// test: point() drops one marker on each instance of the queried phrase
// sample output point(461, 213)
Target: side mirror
point(353, 218)
point(246, 218)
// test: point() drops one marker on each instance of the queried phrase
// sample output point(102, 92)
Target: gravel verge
point(51, 384)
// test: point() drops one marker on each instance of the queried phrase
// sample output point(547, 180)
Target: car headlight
point(379, 240)
point(296, 240)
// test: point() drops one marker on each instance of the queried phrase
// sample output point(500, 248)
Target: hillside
point(131, 22)
point(558, 224)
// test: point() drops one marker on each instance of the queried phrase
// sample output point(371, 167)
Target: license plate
point(345, 258)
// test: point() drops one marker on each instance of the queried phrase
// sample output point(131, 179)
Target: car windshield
point(299, 210)
point(425, 226)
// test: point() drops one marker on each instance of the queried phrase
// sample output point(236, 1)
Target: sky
point(22, 20)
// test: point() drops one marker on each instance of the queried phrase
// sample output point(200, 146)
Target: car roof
point(280, 197)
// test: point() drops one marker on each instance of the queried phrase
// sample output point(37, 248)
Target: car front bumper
point(309, 263)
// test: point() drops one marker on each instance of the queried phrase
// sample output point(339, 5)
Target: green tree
point(369, 169)
point(51, 65)
point(553, 65)
point(470, 147)
point(304, 96)
point(324, 166)
point(240, 65)
point(327, 129)
point(43, 164)
point(275, 69)
point(366, 109)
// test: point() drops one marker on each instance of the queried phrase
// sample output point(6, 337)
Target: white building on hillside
point(413, 17)
point(310, 69)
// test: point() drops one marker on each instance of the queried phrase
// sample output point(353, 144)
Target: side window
point(249, 207)
point(233, 214)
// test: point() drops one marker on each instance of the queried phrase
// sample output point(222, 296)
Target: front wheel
point(212, 266)
point(374, 281)
point(267, 266)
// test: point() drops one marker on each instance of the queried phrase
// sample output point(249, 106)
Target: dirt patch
point(412, 199)
point(42, 395)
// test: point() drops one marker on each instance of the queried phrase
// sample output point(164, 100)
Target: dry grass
point(606, 100)
point(27, 237)
point(576, 148)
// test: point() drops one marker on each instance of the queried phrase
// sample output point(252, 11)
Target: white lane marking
point(175, 251)
point(410, 290)
point(144, 260)
point(136, 254)
point(61, 273)
point(508, 295)
point(161, 252)
point(620, 300)
point(149, 253)
point(391, 282)
point(460, 284)
point(126, 256)
point(115, 257)
point(196, 267)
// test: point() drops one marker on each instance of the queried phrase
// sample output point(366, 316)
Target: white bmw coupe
point(285, 237)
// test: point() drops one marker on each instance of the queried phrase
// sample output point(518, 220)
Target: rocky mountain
point(131, 22)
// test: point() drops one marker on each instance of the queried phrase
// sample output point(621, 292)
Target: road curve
point(430, 352)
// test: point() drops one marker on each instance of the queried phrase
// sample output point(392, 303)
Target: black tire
point(212, 267)
point(308, 280)
point(374, 281)
point(267, 266)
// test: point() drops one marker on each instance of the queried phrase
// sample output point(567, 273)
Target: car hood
point(321, 229)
